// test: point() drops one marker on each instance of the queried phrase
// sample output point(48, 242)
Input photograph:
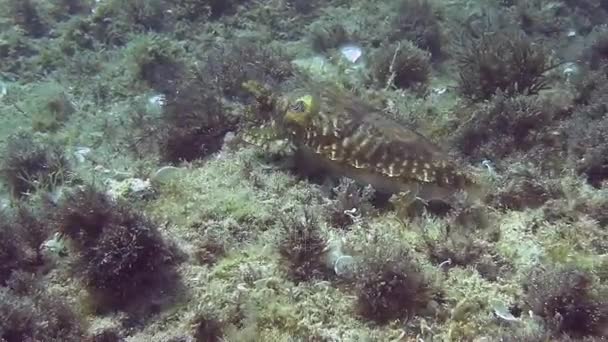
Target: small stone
point(130, 187)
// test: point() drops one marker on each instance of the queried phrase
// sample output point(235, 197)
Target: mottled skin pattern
point(344, 136)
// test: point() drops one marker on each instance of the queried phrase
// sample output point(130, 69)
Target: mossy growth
point(32, 163)
point(119, 253)
point(49, 106)
point(401, 65)
point(156, 60)
point(509, 62)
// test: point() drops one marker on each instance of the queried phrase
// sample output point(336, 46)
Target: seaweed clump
point(31, 164)
point(417, 21)
point(230, 65)
point(402, 65)
point(565, 298)
point(303, 248)
point(206, 328)
point(20, 238)
point(156, 61)
point(391, 289)
point(588, 131)
point(37, 316)
point(49, 107)
point(194, 120)
point(524, 188)
point(121, 256)
point(507, 126)
point(325, 37)
point(196, 9)
point(350, 205)
point(26, 15)
point(597, 53)
point(507, 62)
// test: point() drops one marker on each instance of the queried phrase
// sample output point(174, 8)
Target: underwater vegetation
point(120, 254)
point(303, 248)
point(391, 290)
point(564, 298)
point(31, 163)
point(402, 65)
point(37, 315)
point(287, 170)
point(509, 62)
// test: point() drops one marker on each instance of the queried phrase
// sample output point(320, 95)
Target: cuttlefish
point(340, 134)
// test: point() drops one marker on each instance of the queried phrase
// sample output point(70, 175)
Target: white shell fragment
point(570, 70)
point(55, 245)
point(501, 311)
point(157, 100)
point(165, 175)
point(351, 52)
point(344, 266)
point(81, 153)
point(3, 89)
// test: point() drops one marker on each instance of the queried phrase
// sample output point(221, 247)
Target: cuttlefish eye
point(301, 111)
point(298, 107)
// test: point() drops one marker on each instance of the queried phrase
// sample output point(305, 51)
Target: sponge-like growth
point(121, 255)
